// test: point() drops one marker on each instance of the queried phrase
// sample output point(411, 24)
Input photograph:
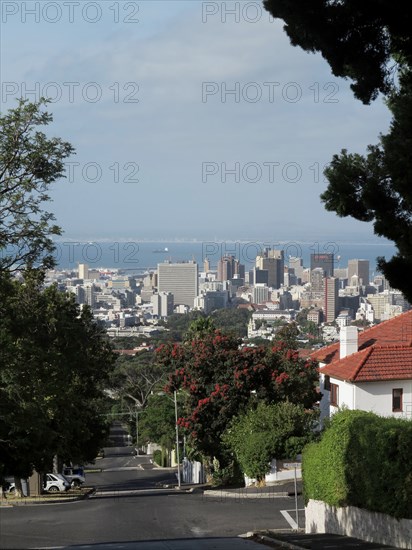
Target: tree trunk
point(19, 488)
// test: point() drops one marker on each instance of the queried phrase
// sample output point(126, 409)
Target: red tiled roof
point(375, 363)
point(394, 332)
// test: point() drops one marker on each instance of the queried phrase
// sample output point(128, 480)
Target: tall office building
point(324, 261)
point(83, 271)
point(163, 304)
point(297, 265)
point(181, 279)
point(272, 261)
point(359, 268)
point(228, 267)
point(260, 276)
point(317, 279)
point(260, 294)
point(331, 308)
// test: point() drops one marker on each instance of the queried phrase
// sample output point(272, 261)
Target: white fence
point(193, 472)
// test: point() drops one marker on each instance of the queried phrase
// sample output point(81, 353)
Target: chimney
point(348, 341)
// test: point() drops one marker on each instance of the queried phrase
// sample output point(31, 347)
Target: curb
point(40, 502)
point(276, 541)
point(244, 494)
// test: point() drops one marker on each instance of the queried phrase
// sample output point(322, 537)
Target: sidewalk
point(301, 541)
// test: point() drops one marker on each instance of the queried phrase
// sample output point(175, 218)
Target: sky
point(190, 120)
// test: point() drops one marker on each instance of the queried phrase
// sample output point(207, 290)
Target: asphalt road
point(130, 506)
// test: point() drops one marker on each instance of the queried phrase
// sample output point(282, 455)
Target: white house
point(369, 370)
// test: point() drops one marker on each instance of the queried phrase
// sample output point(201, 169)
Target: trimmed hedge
point(160, 458)
point(362, 460)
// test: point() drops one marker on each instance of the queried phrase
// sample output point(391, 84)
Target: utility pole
point(177, 443)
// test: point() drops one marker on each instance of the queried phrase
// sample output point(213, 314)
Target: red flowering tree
point(221, 379)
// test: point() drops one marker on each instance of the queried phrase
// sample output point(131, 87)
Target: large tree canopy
point(369, 42)
point(219, 378)
point(54, 367)
point(360, 40)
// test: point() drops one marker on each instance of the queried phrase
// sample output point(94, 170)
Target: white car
point(55, 483)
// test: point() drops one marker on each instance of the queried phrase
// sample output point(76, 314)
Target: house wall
point(377, 397)
point(367, 396)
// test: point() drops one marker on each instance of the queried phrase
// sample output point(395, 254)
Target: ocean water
point(139, 257)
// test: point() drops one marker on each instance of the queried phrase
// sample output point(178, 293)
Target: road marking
point(134, 492)
point(122, 468)
point(288, 517)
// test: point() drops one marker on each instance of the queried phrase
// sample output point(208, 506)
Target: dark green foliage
point(160, 458)
point(360, 40)
point(376, 187)
point(53, 370)
point(278, 430)
point(369, 42)
point(232, 321)
point(158, 422)
point(363, 460)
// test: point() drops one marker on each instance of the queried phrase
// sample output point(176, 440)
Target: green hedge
point(160, 458)
point(362, 460)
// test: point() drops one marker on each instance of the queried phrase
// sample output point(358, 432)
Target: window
point(397, 395)
point(334, 395)
point(326, 383)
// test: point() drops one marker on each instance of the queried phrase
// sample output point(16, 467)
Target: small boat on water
point(161, 250)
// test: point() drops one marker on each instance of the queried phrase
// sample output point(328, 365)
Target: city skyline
point(226, 139)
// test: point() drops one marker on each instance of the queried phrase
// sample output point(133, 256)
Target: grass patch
point(72, 494)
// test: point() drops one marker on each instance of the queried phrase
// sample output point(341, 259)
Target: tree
point(269, 431)
point(370, 43)
point(221, 378)
point(53, 371)
point(29, 163)
point(232, 320)
point(158, 423)
point(364, 41)
point(376, 187)
point(137, 376)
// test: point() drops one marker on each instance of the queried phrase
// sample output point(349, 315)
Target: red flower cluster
point(282, 378)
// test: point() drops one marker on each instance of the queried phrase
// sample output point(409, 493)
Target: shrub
point(362, 460)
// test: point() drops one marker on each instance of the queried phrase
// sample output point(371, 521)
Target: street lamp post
point(179, 482)
point(136, 403)
point(177, 442)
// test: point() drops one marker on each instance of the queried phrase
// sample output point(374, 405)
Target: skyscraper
point(228, 267)
point(317, 278)
point(181, 279)
point(331, 308)
point(83, 271)
point(359, 268)
point(325, 261)
point(272, 261)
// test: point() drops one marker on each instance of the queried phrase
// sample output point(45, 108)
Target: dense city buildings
point(327, 297)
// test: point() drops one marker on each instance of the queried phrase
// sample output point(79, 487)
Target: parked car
point(55, 483)
point(74, 474)
point(9, 486)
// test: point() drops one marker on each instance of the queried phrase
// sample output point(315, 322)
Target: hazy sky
point(164, 149)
